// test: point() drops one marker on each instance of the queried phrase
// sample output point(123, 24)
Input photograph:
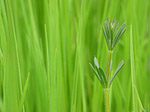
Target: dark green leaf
point(119, 34)
point(106, 28)
point(101, 71)
point(117, 70)
point(119, 37)
point(97, 75)
point(101, 76)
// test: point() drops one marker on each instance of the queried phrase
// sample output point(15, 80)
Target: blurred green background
point(46, 47)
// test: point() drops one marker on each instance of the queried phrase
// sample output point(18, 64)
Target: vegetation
point(112, 36)
point(46, 47)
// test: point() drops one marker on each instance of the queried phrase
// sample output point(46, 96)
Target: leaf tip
point(96, 62)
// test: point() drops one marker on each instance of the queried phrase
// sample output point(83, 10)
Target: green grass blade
point(139, 100)
point(47, 65)
point(132, 69)
point(45, 33)
point(24, 93)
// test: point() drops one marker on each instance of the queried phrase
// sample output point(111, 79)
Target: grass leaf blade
point(24, 93)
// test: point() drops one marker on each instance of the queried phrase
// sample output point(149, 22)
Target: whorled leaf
point(116, 28)
point(97, 75)
point(112, 33)
point(107, 28)
point(116, 71)
point(106, 36)
point(119, 34)
point(102, 73)
point(99, 72)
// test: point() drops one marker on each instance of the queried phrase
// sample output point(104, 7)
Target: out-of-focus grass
point(54, 40)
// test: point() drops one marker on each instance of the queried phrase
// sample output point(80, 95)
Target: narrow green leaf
point(117, 70)
point(106, 36)
point(132, 57)
point(97, 75)
point(119, 34)
point(106, 28)
point(101, 76)
point(139, 100)
point(109, 30)
point(116, 28)
point(101, 71)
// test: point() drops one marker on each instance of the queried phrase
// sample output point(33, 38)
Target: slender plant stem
point(106, 97)
point(106, 90)
point(109, 58)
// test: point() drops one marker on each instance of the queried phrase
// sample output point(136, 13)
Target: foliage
point(54, 40)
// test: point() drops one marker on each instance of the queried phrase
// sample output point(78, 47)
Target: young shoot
point(112, 34)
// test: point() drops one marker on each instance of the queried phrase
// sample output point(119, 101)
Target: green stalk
point(109, 58)
point(106, 90)
point(106, 96)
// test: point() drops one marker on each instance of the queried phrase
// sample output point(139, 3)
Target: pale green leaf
point(96, 62)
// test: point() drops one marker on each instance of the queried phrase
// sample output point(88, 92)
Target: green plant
point(51, 39)
point(112, 35)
